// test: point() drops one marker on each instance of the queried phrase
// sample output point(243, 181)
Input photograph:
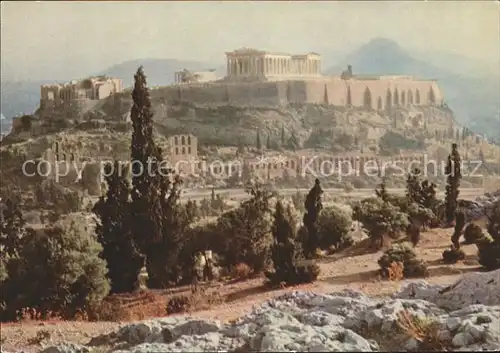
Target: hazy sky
point(49, 39)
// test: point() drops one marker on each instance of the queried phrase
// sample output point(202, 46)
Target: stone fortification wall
point(377, 93)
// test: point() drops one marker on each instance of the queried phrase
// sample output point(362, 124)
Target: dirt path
point(355, 271)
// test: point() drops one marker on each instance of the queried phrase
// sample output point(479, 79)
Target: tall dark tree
point(155, 193)
point(114, 232)
point(460, 220)
point(428, 196)
point(11, 226)
point(268, 142)
point(283, 140)
point(413, 186)
point(313, 206)
point(382, 191)
point(454, 175)
point(287, 253)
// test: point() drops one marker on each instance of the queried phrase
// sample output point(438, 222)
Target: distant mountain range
point(473, 97)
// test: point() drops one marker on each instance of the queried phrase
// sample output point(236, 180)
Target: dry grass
point(199, 299)
point(396, 271)
point(41, 336)
point(241, 272)
point(424, 330)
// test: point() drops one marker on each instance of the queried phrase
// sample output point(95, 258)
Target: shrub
point(453, 255)
point(178, 304)
point(241, 271)
point(380, 218)
point(56, 196)
point(426, 331)
point(420, 214)
point(289, 265)
point(489, 246)
point(403, 253)
point(473, 233)
point(334, 224)
point(395, 271)
point(489, 253)
point(245, 232)
point(198, 299)
point(58, 270)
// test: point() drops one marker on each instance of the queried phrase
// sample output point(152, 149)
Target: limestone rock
point(67, 347)
point(466, 316)
point(472, 288)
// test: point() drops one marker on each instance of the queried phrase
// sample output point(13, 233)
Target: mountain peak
point(383, 46)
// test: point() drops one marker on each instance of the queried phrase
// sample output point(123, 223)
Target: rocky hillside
point(312, 124)
point(420, 317)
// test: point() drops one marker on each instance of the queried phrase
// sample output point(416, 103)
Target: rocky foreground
point(464, 316)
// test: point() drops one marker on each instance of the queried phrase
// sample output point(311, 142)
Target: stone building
point(183, 146)
point(256, 64)
point(92, 88)
point(261, 78)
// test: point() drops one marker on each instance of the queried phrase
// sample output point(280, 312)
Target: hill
point(472, 98)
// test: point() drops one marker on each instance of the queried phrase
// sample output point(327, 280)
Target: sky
point(55, 40)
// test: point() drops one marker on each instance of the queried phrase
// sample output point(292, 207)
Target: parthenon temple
point(256, 64)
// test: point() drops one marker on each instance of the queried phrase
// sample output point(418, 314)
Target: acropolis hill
point(262, 78)
point(265, 92)
point(284, 99)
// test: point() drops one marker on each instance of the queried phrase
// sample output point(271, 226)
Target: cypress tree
point(268, 142)
point(454, 174)
point(382, 192)
point(413, 187)
point(258, 144)
point(313, 206)
point(114, 232)
point(283, 136)
point(428, 196)
point(154, 195)
point(286, 251)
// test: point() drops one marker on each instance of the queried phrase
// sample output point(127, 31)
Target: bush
point(289, 264)
point(245, 232)
point(58, 270)
point(403, 253)
point(334, 225)
point(178, 304)
point(489, 253)
point(198, 299)
point(61, 199)
point(473, 233)
point(380, 218)
point(241, 271)
point(453, 255)
point(420, 214)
